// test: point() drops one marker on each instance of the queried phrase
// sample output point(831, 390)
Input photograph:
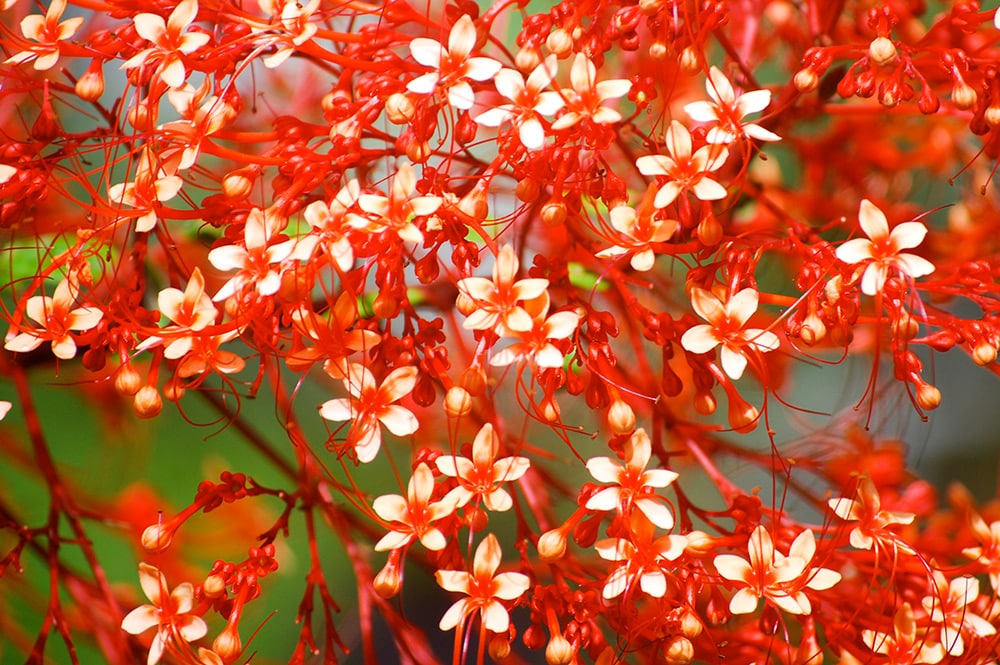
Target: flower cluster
point(491, 269)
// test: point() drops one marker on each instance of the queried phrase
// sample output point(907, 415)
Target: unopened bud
point(475, 204)
point(709, 231)
point(651, 7)
point(928, 397)
point(147, 402)
point(388, 580)
point(239, 183)
point(657, 50)
point(127, 380)
point(418, 151)
point(806, 80)
point(743, 416)
point(554, 213)
point(690, 625)
point(559, 651)
point(499, 647)
point(550, 410)
point(474, 380)
point(984, 354)
point(526, 59)
point(905, 327)
point(552, 545)
point(527, 189)
point(465, 304)
point(399, 108)
point(882, 51)
point(173, 390)
point(156, 538)
point(214, 586)
point(621, 417)
point(228, 644)
point(679, 651)
point(992, 115)
point(559, 42)
point(699, 542)
point(704, 403)
point(90, 86)
point(457, 401)
point(813, 330)
point(689, 61)
point(963, 95)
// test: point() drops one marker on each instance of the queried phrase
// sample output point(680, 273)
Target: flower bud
point(882, 51)
point(173, 390)
point(388, 581)
point(554, 213)
point(156, 538)
point(658, 50)
point(709, 231)
point(239, 183)
point(457, 401)
point(527, 189)
point(499, 647)
point(699, 542)
point(651, 7)
point(474, 380)
point(704, 403)
point(679, 651)
point(550, 410)
point(90, 86)
point(526, 59)
point(214, 586)
point(992, 115)
point(806, 80)
point(689, 61)
point(559, 42)
point(928, 397)
point(475, 204)
point(418, 151)
point(228, 644)
point(984, 354)
point(690, 624)
point(963, 95)
point(743, 416)
point(127, 380)
point(559, 651)
point(399, 108)
point(813, 330)
point(147, 402)
point(621, 417)
point(552, 545)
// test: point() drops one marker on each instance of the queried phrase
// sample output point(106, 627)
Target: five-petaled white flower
point(485, 589)
point(48, 31)
point(452, 65)
point(640, 228)
point(727, 110)
point(766, 575)
point(683, 168)
point(494, 304)
point(633, 483)
point(951, 605)
point(586, 97)
point(482, 476)
point(170, 613)
point(370, 404)
point(411, 517)
point(528, 102)
point(881, 249)
point(725, 327)
point(57, 318)
point(169, 41)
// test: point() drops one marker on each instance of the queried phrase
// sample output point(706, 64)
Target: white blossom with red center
point(190, 311)
point(169, 41)
point(57, 317)
point(586, 96)
point(289, 28)
point(411, 517)
point(907, 644)
point(47, 31)
point(880, 251)
point(328, 223)
point(495, 302)
point(170, 613)
point(396, 211)
point(684, 168)
point(987, 552)
point(727, 109)
point(634, 484)
point(536, 345)
point(481, 478)
point(725, 327)
point(371, 403)
point(766, 575)
point(641, 560)
point(812, 577)
point(259, 261)
point(151, 187)
point(640, 228)
point(452, 65)
point(952, 606)
point(874, 524)
point(484, 589)
point(529, 101)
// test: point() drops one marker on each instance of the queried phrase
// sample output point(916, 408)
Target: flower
point(170, 613)
point(169, 41)
point(766, 575)
point(528, 102)
point(481, 476)
point(397, 210)
point(586, 97)
point(411, 517)
point(57, 320)
point(725, 327)
point(484, 588)
point(494, 303)
point(48, 32)
point(951, 606)
point(684, 169)
point(634, 483)
point(642, 558)
point(371, 403)
point(905, 645)
point(641, 228)
point(452, 65)
point(727, 110)
point(880, 251)
point(874, 522)
point(536, 344)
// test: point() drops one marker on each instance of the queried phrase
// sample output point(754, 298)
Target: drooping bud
point(527, 189)
point(690, 624)
point(388, 580)
point(559, 42)
point(526, 59)
point(127, 380)
point(704, 403)
point(239, 183)
point(882, 51)
point(984, 354)
point(499, 647)
point(813, 330)
point(214, 586)
point(399, 108)
point(963, 95)
point(559, 651)
point(689, 61)
point(806, 80)
point(156, 538)
point(928, 397)
point(621, 417)
point(228, 644)
point(679, 651)
point(552, 545)
point(90, 86)
point(457, 401)
point(554, 213)
point(147, 402)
